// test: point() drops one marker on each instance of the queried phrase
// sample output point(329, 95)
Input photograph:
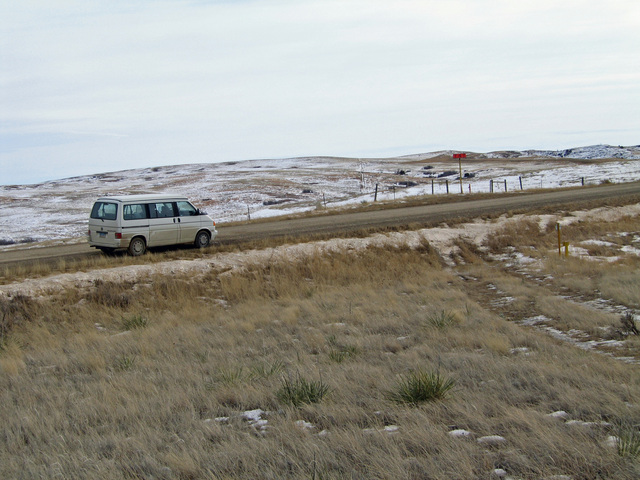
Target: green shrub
point(419, 386)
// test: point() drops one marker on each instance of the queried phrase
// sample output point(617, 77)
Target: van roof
point(142, 198)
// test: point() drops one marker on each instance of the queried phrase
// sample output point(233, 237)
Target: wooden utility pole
point(460, 156)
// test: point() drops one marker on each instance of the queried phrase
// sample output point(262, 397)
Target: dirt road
point(345, 222)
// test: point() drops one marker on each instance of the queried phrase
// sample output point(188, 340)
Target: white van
point(136, 222)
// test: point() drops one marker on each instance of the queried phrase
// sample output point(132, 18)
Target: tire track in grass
point(525, 312)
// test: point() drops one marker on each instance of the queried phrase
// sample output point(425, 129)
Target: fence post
point(491, 185)
point(432, 187)
point(248, 213)
point(583, 181)
point(375, 196)
point(324, 200)
point(447, 182)
point(505, 185)
point(520, 182)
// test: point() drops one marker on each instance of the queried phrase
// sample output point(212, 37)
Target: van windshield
point(104, 211)
point(186, 209)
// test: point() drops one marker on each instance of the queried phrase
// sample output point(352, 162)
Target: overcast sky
point(92, 86)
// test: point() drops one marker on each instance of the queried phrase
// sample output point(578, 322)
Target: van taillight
point(118, 236)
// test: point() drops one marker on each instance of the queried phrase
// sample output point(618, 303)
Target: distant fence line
point(449, 187)
point(453, 186)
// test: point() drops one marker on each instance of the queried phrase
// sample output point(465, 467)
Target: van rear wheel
point(137, 247)
point(202, 239)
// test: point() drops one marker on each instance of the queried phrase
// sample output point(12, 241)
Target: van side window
point(161, 210)
point(134, 212)
point(186, 209)
point(104, 211)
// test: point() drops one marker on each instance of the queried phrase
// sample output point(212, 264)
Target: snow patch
point(57, 211)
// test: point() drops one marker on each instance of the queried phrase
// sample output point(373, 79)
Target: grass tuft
point(135, 322)
point(266, 370)
point(338, 352)
point(230, 376)
point(14, 311)
point(419, 386)
point(111, 294)
point(125, 362)
point(629, 442)
point(345, 352)
point(628, 324)
point(441, 319)
point(301, 391)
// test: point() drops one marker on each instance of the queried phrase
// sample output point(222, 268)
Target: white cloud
point(231, 80)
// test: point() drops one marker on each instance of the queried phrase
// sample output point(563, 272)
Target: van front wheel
point(202, 239)
point(137, 247)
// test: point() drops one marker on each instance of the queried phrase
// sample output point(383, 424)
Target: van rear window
point(104, 211)
point(161, 210)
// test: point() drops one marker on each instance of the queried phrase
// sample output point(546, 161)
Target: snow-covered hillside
point(583, 153)
point(57, 210)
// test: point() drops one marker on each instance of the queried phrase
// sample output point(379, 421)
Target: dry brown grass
point(617, 281)
point(525, 232)
point(580, 297)
point(13, 273)
point(83, 398)
point(529, 232)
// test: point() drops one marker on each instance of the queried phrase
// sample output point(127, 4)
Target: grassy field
point(380, 363)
